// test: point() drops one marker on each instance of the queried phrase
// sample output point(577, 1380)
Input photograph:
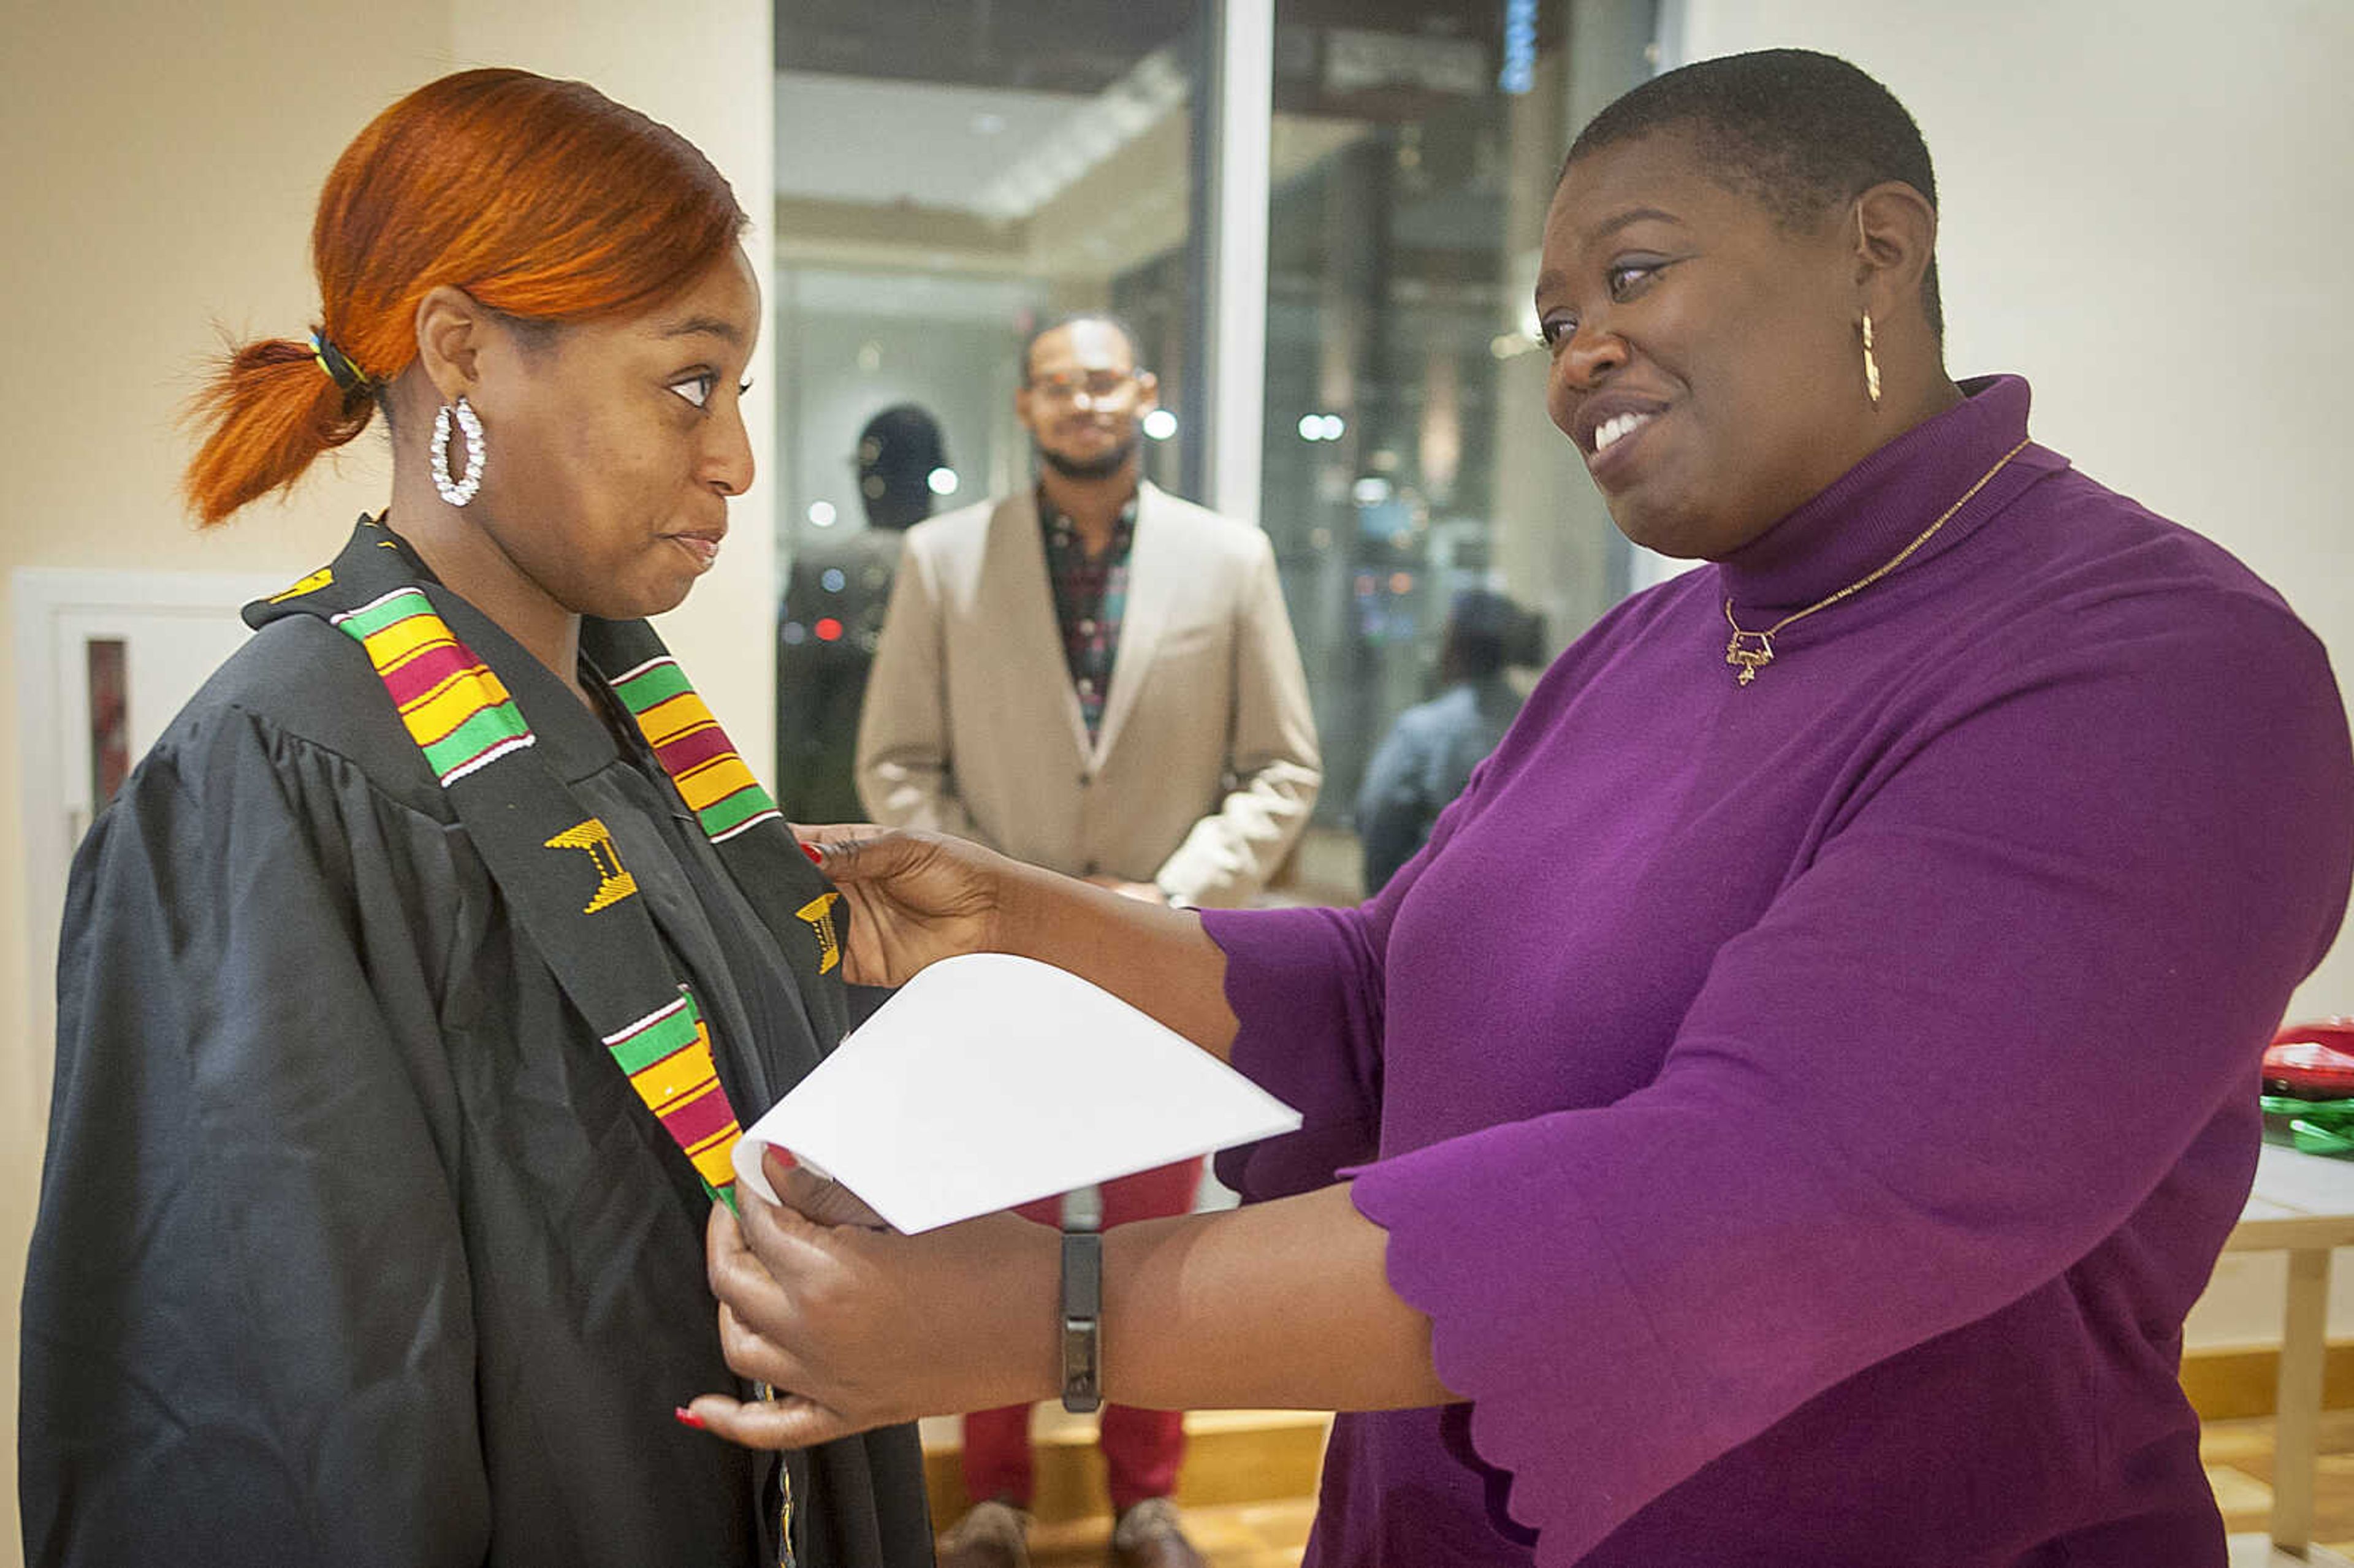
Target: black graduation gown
point(354, 1246)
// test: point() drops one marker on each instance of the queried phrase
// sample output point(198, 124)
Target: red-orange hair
point(545, 200)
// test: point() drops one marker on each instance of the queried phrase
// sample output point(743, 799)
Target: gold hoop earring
point(1870, 365)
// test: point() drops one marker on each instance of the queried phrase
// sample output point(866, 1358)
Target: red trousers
point(1141, 1448)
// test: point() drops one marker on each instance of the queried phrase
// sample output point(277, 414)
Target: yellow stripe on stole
point(716, 1163)
point(393, 646)
point(674, 716)
point(687, 1068)
point(453, 703)
point(715, 780)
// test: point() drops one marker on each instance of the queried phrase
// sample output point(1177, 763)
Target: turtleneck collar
point(1863, 518)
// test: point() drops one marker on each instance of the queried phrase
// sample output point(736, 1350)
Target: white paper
point(989, 1081)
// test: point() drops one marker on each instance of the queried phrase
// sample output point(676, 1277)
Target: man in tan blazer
point(1099, 678)
point(1199, 773)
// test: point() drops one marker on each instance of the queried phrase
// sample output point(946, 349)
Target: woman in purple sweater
point(1785, 1114)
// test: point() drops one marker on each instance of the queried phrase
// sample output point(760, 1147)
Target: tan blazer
point(1205, 763)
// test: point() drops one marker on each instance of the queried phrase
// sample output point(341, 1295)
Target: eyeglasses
point(1100, 386)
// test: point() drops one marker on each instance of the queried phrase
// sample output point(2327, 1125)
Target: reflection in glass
point(1408, 458)
point(950, 177)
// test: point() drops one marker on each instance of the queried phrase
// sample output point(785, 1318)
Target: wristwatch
point(1082, 1314)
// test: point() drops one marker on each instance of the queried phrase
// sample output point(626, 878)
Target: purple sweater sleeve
point(1307, 985)
point(2089, 883)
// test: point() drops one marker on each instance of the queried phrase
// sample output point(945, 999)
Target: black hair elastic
point(348, 377)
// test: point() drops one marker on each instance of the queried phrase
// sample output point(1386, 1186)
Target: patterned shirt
point(1090, 597)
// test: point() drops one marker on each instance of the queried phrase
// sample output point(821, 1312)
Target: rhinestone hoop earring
point(1870, 365)
point(458, 492)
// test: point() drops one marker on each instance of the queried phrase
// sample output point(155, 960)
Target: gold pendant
point(1752, 650)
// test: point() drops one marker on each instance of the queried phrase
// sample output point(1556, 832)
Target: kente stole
point(578, 908)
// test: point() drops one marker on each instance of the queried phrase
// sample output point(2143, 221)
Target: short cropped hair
point(1796, 130)
point(1111, 319)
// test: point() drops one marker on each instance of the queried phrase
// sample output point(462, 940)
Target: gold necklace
point(1752, 650)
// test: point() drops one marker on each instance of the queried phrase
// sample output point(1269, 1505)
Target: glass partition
point(949, 176)
point(1407, 453)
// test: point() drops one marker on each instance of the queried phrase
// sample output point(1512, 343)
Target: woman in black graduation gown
point(412, 985)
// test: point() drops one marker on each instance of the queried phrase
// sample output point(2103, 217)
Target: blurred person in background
point(411, 985)
point(1429, 755)
point(832, 619)
point(1099, 678)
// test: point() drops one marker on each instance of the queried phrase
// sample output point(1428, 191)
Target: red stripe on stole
point(699, 1117)
point(427, 670)
point(693, 749)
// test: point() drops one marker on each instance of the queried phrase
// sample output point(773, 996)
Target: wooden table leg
point(2296, 1430)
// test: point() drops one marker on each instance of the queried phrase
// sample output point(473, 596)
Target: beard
point(1113, 459)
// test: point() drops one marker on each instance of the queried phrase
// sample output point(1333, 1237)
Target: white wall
point(2144, 211)
point(161, 165)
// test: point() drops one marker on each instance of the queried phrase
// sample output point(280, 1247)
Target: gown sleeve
point(2019, 995)
point(248, 1332)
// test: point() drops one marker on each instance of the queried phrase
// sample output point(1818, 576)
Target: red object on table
point(2312, 1061)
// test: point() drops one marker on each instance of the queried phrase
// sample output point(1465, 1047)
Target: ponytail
point(267, 412)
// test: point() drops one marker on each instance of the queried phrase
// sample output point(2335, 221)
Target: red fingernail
point(817, 855)
point(782, 1159)
point(687, 1417)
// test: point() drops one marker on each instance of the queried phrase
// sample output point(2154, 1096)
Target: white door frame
point(1241, 126)
point(39, 596)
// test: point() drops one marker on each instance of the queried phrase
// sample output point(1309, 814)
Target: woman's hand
point(919, 897)
point(915, 898)
point(857, 1327)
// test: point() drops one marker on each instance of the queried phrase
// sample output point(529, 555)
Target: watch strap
point(1082, 1317)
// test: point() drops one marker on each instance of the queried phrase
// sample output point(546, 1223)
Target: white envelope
point(991, 1080)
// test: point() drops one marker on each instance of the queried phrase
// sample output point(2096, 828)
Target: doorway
point(104, 660)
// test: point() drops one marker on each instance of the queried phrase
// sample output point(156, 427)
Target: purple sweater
point(1806, 1112)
